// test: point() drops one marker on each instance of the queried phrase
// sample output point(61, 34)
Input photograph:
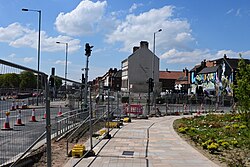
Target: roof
point(183, 78)
point(195, 67)
point(170, 74)
point(118, 73)
point(209, 70)
point(232, 62)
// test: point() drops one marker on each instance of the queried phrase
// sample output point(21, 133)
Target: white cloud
point(134, 7)
point(62, 62)
point(190, 58)
point(12, 32)
point(183, 36)
point(135, 28)
point(19, 36)
point(175, 56)
point(12, 55)
point(82, 19)
point(230, 11)
point(28, 59)
point(238, 13)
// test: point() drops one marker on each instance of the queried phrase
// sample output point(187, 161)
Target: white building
point(141, 65)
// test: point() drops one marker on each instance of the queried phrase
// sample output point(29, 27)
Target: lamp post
point(38, 47)
point(153, 66)
point(66, 60)
point(154, 53)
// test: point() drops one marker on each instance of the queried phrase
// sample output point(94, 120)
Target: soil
point(58, 149)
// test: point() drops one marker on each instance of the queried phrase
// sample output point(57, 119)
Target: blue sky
point(191, 32)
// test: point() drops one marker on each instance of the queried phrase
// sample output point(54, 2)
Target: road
point(15, 141)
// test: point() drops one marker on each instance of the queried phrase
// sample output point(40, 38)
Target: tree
point(10, 80)
point(28, 80)
point(58, 83)
point(242, 89)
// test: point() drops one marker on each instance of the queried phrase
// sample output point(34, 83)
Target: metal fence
point(25, 115)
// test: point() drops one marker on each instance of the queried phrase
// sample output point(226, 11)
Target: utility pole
point(88, 54)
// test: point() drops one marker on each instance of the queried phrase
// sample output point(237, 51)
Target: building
point(174, 81)
point(110, 80)
point(141, 65)
point(215, 77)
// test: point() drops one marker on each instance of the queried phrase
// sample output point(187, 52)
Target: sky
point(191, 32)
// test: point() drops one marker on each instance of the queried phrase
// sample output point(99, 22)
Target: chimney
point(186, 72)
point(144, 44)
point(203, 64)
point(135, 48)
point(225, 56)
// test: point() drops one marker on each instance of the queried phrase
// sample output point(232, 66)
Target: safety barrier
point(133, 109)
point(29, 114)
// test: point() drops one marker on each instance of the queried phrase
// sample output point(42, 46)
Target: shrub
point(225, 144)
point(242, 126)
point(213, 147)
point(183, 129)
point(234, 143)
point(235, 125)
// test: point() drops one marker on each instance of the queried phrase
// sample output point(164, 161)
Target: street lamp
point(153, 66)
point(154, 52)
point(38, 47)
point(66, 61)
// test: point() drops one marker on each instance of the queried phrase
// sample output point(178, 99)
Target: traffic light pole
point(150, 82)
point(88, 54)
point(85, 84)
point(148, 98)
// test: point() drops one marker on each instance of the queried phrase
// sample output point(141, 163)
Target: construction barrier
point(112, 125)
point(102, 131)
point(78, 150)
point(127, 119)
point(135, 109)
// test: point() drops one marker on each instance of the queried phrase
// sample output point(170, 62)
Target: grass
point(227, 136)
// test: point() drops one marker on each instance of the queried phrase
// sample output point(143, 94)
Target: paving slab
point(145, 143)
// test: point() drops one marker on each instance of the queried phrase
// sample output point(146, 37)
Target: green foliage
point(242, 90)
point(225, 144)
point(217, 133)
point(10, 80)
point(183, 129)
point(213, 147)
point(28, 80)
point(58, 82)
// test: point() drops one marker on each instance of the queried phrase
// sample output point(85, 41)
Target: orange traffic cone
point(12, 106)
point(19, 121)
point(33, 117)
point(44, 115)
point(17, 106)
point(59, 112)
point(23, 105)
point(6, 125)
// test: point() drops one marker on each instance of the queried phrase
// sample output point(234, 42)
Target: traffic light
point(51, 81)
point(88, 49)
point(151, 84)
point(51, 78)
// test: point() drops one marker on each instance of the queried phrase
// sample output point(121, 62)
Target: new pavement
point(144, 143)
